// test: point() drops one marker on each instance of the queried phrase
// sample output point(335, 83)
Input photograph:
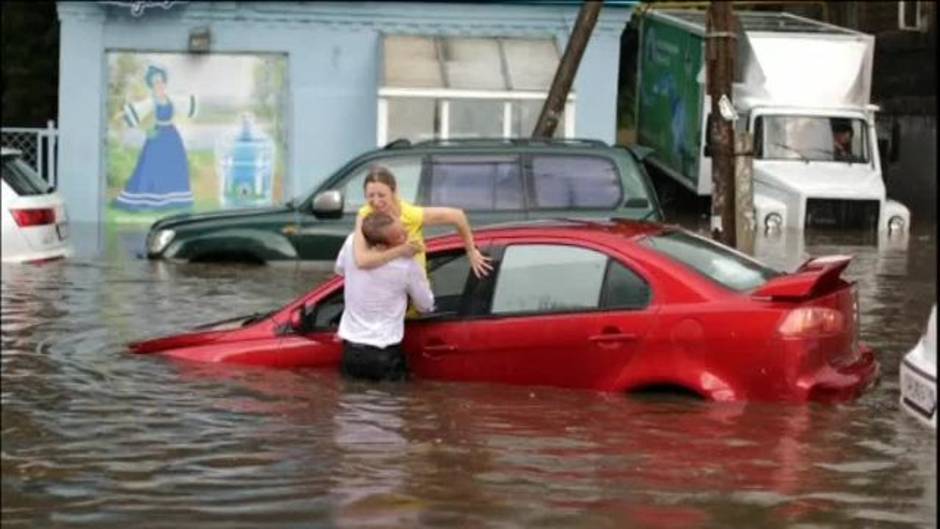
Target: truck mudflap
point(815, 276)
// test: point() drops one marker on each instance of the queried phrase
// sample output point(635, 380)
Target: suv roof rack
point(581, 142)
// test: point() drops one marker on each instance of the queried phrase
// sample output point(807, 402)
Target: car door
point(552, 313)
point(487, 187)
point(318, 342)
point(320, 239)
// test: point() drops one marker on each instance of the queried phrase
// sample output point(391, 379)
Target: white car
point(919, 376)
point(35, 224)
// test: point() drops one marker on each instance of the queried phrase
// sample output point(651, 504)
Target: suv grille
point(830, 213)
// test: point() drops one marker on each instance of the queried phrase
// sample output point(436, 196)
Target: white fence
point(38, 147)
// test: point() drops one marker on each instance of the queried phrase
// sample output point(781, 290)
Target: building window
point(462, 87)
point(912, 16)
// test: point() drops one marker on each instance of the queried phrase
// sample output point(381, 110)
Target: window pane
point(548, 278)
point(411, 62)
point(22, 178)
point(716, 262)
point(407, 171)
point(525, 114)
point(448, 276)
point(412, 118)
point(326, 313)
point(475, 183)
point(531, 63)
point(575, 182)
point(471, 118)
point(473, 64)
point(624, 289)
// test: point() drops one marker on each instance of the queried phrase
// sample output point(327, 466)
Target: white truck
point(802, 89)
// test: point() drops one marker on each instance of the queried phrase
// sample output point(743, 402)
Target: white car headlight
point(160, 241)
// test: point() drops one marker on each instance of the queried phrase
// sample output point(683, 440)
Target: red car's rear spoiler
point(814, 276)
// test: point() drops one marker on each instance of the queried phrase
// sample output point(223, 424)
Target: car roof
point(498, 143)
point(618, 228)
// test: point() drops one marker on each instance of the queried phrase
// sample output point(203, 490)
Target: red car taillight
point(812, 322)
point(33, 217)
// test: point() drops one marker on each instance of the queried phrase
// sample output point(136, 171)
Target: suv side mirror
point(328, 204)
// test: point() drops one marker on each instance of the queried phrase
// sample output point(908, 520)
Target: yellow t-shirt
point(412, 218)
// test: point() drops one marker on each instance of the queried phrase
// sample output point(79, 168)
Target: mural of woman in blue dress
point(161, 177)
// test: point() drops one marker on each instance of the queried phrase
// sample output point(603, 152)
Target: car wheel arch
point(238, 246)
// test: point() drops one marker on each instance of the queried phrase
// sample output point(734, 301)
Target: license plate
point(62, 230)
point(919, 394)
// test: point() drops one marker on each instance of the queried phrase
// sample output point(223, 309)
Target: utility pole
point(567, 68)
point(719, 52)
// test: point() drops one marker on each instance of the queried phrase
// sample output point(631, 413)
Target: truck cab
point(820, 168)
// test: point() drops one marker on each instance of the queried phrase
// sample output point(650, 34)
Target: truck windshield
point(811, 138)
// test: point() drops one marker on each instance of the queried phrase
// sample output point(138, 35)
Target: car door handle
point(437, 349)
point(613, 337)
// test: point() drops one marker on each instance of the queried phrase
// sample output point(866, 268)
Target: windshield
point(718, 263)
point(22, 178)
point(811, 138)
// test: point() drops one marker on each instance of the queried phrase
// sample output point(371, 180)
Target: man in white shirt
point(373, 321)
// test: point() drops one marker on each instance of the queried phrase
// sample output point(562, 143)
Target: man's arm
point(340, 266)
point(419, 289)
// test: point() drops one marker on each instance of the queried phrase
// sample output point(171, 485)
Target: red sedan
point(613, 306)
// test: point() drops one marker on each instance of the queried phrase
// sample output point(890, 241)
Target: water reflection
point(94, 436)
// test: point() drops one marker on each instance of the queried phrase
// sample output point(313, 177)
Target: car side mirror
point(328, 204)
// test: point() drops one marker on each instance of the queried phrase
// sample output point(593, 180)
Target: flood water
point(95, 437)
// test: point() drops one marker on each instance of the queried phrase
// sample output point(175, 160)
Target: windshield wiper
point(793, 150)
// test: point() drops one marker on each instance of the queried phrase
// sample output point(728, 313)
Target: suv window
point(730, 268)
point(476, 183)
point(407, 171)
point(22, 178)
point(548, 278)
point(565, 182)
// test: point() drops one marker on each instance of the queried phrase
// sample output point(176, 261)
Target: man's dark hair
point(373, 227)
point(841, 125)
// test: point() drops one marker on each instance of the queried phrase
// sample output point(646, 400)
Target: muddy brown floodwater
point(95, 437)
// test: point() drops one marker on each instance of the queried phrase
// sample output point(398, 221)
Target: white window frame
point(919, 15)
point(443, 96)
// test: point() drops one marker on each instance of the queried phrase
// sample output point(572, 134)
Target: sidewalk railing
point(38, 147)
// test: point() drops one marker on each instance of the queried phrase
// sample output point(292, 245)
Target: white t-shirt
point(376, 300)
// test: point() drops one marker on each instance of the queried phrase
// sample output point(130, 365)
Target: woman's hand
point(479, 263)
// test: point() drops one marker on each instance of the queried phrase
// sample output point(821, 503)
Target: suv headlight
point(160, 241)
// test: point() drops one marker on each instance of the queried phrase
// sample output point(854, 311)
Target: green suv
point(493, 181)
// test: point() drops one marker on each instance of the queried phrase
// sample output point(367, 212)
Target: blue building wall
point(333, 55)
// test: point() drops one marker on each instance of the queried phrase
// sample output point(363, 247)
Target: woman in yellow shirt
point(382, 195)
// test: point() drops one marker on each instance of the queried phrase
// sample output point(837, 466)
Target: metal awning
point(469, 63)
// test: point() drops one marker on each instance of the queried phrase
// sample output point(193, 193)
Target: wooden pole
point(719, 52)
point(567, 68)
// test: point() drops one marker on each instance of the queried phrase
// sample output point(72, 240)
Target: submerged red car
point(613, 305)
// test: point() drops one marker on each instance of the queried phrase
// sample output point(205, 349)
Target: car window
point(565, 182)
point(325, 315)
point(548, 278)
point(729, 268)
point(22, 178)
point(624, 289)
point(448, 277)
point(476, 183)
point(407, 171)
